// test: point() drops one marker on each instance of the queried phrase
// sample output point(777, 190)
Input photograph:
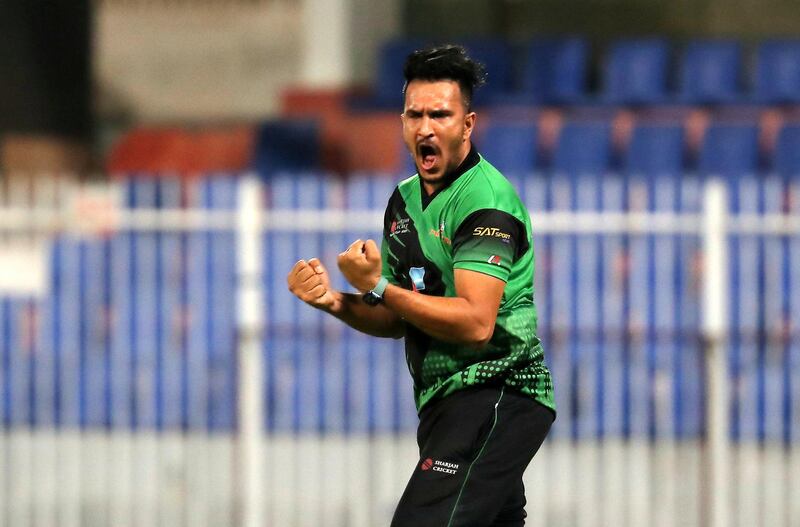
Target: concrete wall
point(231, 60)
point(196, 62)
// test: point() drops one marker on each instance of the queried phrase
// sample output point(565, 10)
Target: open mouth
point(428, 156)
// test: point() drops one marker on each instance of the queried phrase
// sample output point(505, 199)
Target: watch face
point(371, 298)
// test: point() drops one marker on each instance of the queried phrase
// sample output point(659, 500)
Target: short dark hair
point(448, 62)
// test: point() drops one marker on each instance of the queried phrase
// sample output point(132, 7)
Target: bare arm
point(309, 281)
point(468, 318)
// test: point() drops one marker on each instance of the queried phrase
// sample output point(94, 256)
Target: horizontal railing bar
point(764, 224)
point(337, 220)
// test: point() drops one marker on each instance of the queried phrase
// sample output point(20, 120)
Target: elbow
point(480, 336)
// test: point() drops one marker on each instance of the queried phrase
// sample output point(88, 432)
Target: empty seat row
point(727, 150)
point(632, 71)
point(520, 145)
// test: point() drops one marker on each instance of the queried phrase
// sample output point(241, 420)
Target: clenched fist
point(309, 282)
point(361, 264)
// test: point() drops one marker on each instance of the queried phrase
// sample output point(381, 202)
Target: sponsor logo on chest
point(400, 226)
point(440, 234)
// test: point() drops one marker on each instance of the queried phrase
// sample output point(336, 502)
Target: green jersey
point(477, 222)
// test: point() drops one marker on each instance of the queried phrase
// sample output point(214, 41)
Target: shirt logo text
point(494, 232)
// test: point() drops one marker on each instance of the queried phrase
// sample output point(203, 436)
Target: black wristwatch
point(374, 296)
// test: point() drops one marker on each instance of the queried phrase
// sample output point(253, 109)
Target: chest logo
point(440, 234)
point(400, 226)
point(417, 275)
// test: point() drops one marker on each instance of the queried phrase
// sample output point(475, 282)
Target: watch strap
point(380, 287)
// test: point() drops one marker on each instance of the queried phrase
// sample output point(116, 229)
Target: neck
point(430, 188)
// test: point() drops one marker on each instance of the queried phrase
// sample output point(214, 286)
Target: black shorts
point(474, 447)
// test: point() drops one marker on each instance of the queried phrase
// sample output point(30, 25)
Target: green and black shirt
point(476, 221)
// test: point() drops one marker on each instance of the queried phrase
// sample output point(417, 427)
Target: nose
point(425, 129)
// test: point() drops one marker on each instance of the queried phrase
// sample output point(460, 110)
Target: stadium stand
point(583, 148)
point(509, 146)
point(551, 71)
point(729, 151)
point(289, 144)
point(655, 150)
point(786, 160)
point(373, 142)
point(554, 70)
point(496, 56)
point(176, 151)
point(338, 131)
point(710, 72)
point(777, 78)
point(636, 72)
point(329, 108)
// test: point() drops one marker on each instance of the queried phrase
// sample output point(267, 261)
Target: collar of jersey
point(472, 159)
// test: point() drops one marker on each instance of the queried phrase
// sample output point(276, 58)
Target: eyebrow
point(439, 112)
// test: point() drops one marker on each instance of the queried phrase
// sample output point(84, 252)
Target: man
point(454, 276)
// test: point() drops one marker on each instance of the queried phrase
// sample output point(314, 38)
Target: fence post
point(250, 323)
point(715, 331)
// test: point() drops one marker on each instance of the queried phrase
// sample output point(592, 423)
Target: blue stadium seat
point(583, 148)
point(729, 150)
point(509, 146)
point(496, 56)
point(554, 70)
point(636, 71)
point(778, 72)
point(786, 161)
point(283, 145)
point(655, 150)
point(710, 72)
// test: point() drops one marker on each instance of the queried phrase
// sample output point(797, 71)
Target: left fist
point(361, 264)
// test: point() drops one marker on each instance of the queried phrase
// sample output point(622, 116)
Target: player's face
point(436, 127)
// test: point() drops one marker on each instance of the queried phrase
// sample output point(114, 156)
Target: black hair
point(448, 62)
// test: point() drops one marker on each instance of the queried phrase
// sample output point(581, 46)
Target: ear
point(469, 125)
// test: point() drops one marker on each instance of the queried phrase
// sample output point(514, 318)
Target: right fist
point(309, 282)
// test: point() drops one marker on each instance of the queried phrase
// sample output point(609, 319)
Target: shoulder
point(401, 195)
point(408, 183)
point(403, 191)
point(487, 188)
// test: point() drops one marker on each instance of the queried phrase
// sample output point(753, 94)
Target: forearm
point(449, 319)
point(377, 321)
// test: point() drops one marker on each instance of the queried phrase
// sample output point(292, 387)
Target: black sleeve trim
point(475, 225)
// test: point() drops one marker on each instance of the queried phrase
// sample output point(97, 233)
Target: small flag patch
point(494, 259)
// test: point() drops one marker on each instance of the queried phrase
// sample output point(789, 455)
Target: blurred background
point(163, 164)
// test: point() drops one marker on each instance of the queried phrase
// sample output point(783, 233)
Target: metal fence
point(154, 370)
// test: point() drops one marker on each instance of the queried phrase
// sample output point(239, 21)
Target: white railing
point(66, 469)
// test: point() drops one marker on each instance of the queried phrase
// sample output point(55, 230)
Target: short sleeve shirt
point(478, 223)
